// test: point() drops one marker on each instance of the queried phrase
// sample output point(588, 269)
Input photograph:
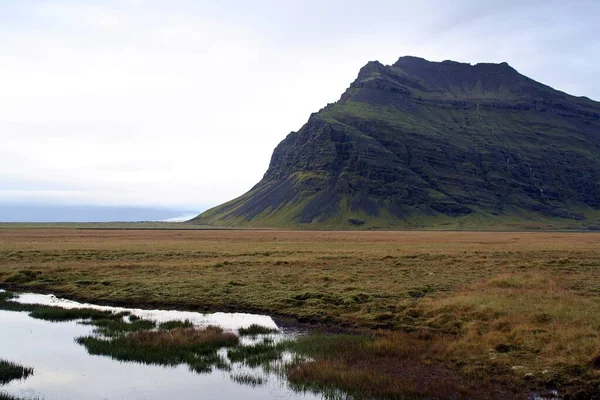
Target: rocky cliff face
point(427, 144)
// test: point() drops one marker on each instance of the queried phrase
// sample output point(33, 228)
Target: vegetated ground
point(444, 314)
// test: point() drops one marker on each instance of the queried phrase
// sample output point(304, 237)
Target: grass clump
point(326, 345)
point(6, 396)
point(59, 314)
point(175, 324)
point(195, 347)
point(255, 329)
point(116, 326)
point(106, 322)
point(204, 364)
point(7, 303)
point(256, 354)
point(10, 371)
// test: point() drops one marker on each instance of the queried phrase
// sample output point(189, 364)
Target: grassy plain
point(493, 314)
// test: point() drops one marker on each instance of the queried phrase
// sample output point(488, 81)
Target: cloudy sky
point(180, 103)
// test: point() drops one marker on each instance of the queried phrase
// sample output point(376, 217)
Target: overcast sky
point(180, 103)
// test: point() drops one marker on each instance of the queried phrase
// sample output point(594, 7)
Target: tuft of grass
point(175, 324)
point(106, 322)
point(7, 303)
point(195, 347)
point(56, 314)
point(255, 329)
point(10, 371)
point(256, 354)
point(325, 345)
point(59, 314)
point(116, 326)
point(210, 337)
point(204, 364)
point(6, 396)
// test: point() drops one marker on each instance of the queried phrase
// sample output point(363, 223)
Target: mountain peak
point(370, 68)
point(418, 61)
point(411, 60)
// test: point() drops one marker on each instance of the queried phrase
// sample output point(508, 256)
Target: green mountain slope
point(425, 144)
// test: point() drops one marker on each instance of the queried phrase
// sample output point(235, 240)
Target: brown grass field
point(485, 309)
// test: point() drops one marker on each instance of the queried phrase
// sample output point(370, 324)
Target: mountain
point(428, 144)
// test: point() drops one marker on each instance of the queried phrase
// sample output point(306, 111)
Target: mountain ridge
point(433, 144)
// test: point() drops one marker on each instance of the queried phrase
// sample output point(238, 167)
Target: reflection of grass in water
point(8, 305)
point(107, 322)
point(205, 364)
point(361, 365)
point(249, 380)
point(255, 329)
point(257, 354)
point(56, 314)
point(196, 347)
point(269, 356)
point(59, 314)
point(6, 396)
point(323, 364)
point(10, 371)
point(173, 343)
point(112, 327)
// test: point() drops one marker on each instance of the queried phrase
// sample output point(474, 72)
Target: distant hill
point(433, 145)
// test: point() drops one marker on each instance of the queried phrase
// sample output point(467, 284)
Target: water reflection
point(65, 370)
point(229, 321)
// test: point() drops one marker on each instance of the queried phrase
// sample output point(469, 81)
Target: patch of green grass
point(7, 304)
point(175, 324)
point(255, 329)
point(116, 326)
point(325, 345)
point(10, 371)
point(256, 354)
point(6, 396)
point(195, 347)
point(59, 314)
point(107, 323)
point(205, 363)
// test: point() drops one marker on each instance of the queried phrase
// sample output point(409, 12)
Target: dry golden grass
point(520, 307)
point(395, 366)
point(181, 337)
point(198, 348)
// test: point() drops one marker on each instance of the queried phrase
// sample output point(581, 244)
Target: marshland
point(88, 351)
point(382, 314)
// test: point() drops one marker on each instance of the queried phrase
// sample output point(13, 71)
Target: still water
point(63, 370)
